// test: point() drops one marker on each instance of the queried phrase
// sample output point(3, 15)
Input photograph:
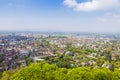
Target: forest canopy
point(45, 71)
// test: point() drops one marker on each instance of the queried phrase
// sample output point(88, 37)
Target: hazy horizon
point(60, 15)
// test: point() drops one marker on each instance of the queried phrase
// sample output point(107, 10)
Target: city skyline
point(60, 15)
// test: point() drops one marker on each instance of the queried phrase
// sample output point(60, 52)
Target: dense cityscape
point(19, 50)
point(59, 39)
point(63, 49)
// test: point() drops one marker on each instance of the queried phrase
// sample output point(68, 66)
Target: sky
point(60, 15)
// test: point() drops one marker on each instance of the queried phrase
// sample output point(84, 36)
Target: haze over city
point(60, 15)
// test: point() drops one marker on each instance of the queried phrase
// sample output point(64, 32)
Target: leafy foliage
point(0, 76)
point(44, 71)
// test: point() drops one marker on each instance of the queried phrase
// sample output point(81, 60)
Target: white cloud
point(109, 22)
point(110, 18)
point(92, 5)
